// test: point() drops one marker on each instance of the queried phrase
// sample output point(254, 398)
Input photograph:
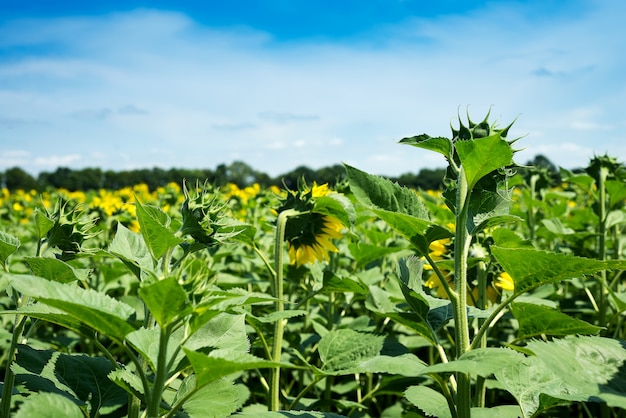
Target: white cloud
point(119, 84)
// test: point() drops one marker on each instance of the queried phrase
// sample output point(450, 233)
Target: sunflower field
point(499, 296)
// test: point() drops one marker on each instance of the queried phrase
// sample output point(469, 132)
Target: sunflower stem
point(462, 243)
point(279, 325)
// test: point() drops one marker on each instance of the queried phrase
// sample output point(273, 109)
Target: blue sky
point(282, 83)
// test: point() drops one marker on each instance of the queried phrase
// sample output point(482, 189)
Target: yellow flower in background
point(504, 281)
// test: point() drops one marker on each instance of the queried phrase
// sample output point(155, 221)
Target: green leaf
point(97, 310)
point(410, 276)
point(146, 342)
point(48, 405)
point(364, 253)
point(166, 300)
point(288, 414)
point(78, 377)
point(403, 365)
point(128, 381)
point(53, 269)
point(336, 205)
point(225, 331)
point(431, 402)
point(8, 245)
point(218, 399)
point(344, 349)
point(574, 369)
point(531, 268)
point(132, 250)
point(555, 226)
point(333, 283)
point(535, 320)
point(155, 228)
point(481, 156)
point(379, 192)
point(418, 231)
point(55, 316)
point(381, 303)
point(438, 144)
point(221, 363)
point(502, 411)
point(43, 223)
point(488, 209)
point(481, 362)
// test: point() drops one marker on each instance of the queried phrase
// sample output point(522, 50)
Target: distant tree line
point(237, 172)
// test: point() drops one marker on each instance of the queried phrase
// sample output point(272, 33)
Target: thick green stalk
point(279, 325)
point(9, 377)
point(602, 302)
point(154, 407)
point(462, 241)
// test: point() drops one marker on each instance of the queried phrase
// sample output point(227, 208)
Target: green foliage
point(500, 295)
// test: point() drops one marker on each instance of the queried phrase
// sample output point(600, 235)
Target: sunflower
point(310, 237)
point(309, 232)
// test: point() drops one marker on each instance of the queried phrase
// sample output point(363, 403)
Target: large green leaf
point(531, 268)
point(146, 342)
point(54, 270)
point(344, 349)
point(221, 363)
point(218, 399)
point(43, 223)
point(379, 192)
point(438, 144)
point(419, 232)
point(402, 365)
point(132, 250)
point(155, 228)
point(364, 253)
point(97, 310)
point(481, 362)
point(481, 156)
point(47, 313)
point(8, 245)
point(288, 414)
point(584, 368)
point(166, 300)
point(48, 405)
point(81, 378)
point(488, 209)
point(336, 205)
point(224, 331)
point(535, 320)
point(430, 401)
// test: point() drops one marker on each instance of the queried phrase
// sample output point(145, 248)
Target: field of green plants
point(500, 296)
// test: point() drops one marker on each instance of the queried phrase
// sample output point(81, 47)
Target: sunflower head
point(320, 217)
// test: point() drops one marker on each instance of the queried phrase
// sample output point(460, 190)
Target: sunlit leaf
point(345, 349)
point(531, 268)
point(431, 402)
point(48, 405)
point(379, 192)
point(97, 310)
point(8, 245)
point(221, 363)
point(535, 320)
point(438, 144)
point(53, 269)
point(132, 250)
point(155, 229)
point(481, 156)
point(166, 299)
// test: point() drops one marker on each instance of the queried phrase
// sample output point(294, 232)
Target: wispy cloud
point(120, 83)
